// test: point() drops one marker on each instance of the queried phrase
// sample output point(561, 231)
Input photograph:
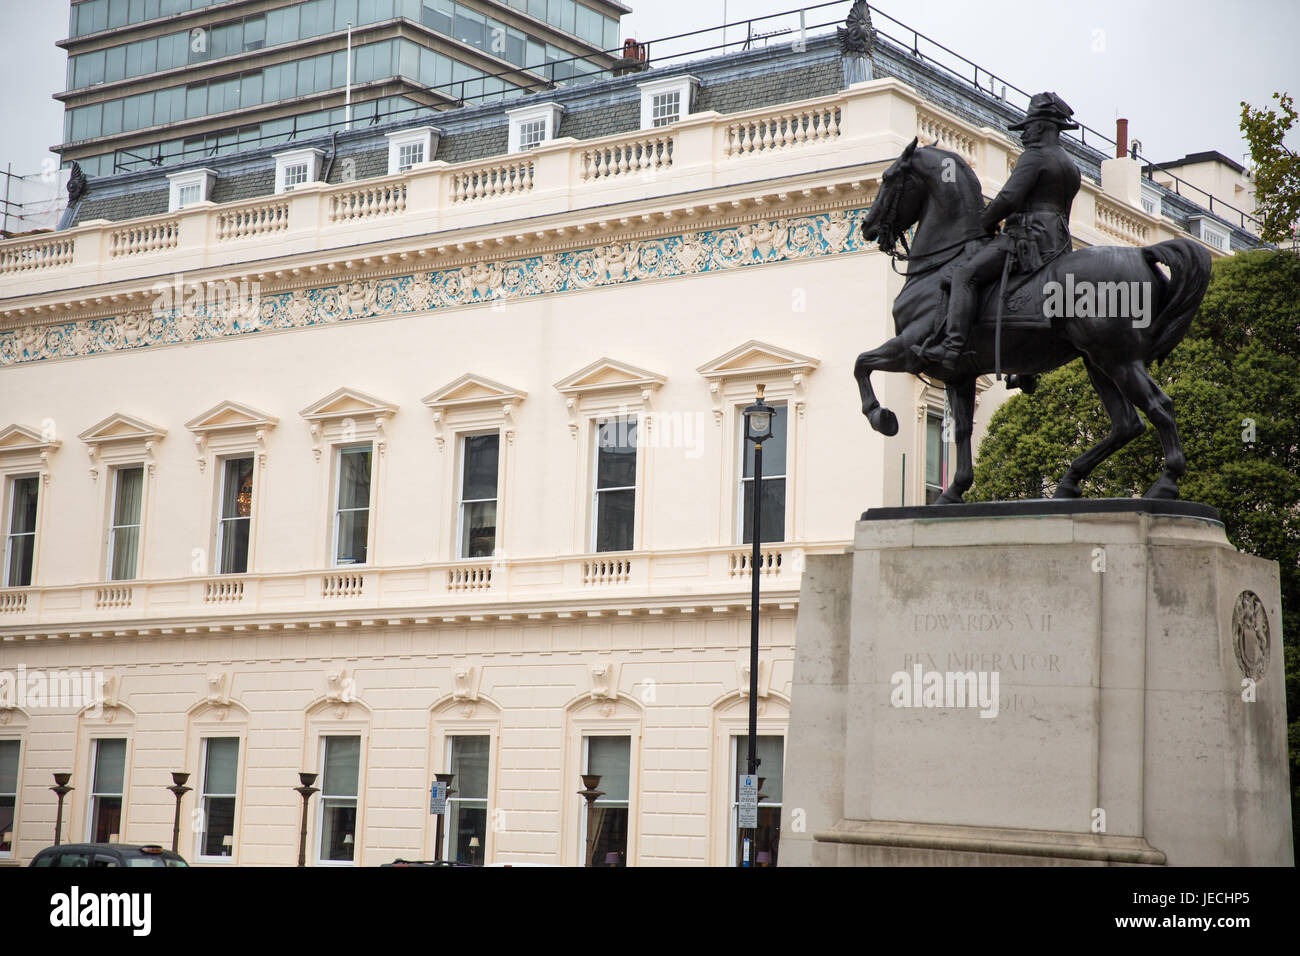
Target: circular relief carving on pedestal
point(1250, 637)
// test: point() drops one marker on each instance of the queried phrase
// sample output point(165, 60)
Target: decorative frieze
point(489, 280)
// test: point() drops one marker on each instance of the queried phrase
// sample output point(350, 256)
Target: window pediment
point(121, 438)
point(346, 403)
point(18, 440)
point(605, 375)
point(607, 385)
point(471, 389)
point(757, 358)
point(230, 426)
point(230, 416)
point(739, 369)
point(473, 401)
point(348, 414)
point(22, 447)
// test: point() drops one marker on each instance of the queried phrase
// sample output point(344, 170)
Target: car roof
point(154, 848)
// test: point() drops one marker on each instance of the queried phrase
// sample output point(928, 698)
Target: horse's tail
point(1189, 269)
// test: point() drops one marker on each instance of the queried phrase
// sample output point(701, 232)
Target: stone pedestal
point(1049, 683)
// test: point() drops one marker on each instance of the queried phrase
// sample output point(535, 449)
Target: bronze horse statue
point(937, 191)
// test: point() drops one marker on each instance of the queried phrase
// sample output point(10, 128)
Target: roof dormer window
point(296, 167)
point(411, 147)
point(666, 101)
point(530, 126)
point(190, 187)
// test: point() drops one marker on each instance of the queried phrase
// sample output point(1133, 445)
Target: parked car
point(107, 854)
point(400, 862)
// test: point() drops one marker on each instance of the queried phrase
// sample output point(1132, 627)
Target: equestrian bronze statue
point(1112, 306)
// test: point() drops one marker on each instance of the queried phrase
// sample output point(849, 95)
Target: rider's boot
point(948, 351)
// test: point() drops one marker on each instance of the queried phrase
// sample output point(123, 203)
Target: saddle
point(1023, 306)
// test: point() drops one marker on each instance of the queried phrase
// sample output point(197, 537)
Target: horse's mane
point(934, 155)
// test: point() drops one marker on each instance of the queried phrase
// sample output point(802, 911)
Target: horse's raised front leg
point(893, 356)
point(1125, 425)
point(961, 406)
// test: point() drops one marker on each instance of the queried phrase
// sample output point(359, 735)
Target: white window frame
point(606, 389)
point(23, 452)
point(733, 821)
point(339, 451)
point(18, 776)
point(460, 493)
point(9, 502)
point(94, 795)
point(231, 430)
point(472, 405)
point(320, 803)
point(520, 117)
point(945, 463)
point(345, 418)
point(183, 182)
point(632, 769)
point(1211, 233)
point(424, 136)
point(684, 85)
point(204, 796)
point(632, 415)
point(733, 379)
point(290, 161)
point(448, 748)
point(741, 479)
point(116, 472)
point(665, 108)
point(408, 155)
point(1152, 201)
point(532, 133)
point(222, 462)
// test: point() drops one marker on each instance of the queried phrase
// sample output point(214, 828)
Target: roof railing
point(966, 70)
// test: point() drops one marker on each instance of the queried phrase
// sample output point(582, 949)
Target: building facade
point(159, 82)
point(440, 468)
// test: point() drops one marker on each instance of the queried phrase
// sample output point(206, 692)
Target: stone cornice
point(555, 234)
point(717, 235)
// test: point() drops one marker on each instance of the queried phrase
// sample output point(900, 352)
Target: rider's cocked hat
point(1050, 107)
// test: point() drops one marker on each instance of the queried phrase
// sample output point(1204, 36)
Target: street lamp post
point(179, 789)
point(306, 790)
point(61, 790)
point(758, 428)
point(591, 792)
point(446, 778)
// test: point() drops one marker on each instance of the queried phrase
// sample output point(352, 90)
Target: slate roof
point(729, 83)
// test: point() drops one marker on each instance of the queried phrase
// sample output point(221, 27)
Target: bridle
point(886, 228)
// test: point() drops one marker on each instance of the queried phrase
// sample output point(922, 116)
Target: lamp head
point(758, 420)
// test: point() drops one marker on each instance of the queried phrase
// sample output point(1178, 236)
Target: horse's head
point(898, 202)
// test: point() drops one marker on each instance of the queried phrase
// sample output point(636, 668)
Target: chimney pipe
point(1121, 138)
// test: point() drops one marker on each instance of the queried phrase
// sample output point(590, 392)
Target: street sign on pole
point(437, 798)
point(748, 801)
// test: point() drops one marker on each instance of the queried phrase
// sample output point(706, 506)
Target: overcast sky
point(1177, 69)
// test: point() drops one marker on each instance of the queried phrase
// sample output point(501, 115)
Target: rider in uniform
point(1035, 202)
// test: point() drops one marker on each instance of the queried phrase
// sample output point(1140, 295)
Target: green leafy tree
point(1235, 384)
point(1277, 168)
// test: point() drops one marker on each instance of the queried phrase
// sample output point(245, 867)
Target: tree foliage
point(1235, 384)
point(1277, 168)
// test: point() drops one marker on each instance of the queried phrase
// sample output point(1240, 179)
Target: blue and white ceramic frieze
point(220, 309)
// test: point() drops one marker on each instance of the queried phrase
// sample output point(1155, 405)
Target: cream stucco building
point(438, 466)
